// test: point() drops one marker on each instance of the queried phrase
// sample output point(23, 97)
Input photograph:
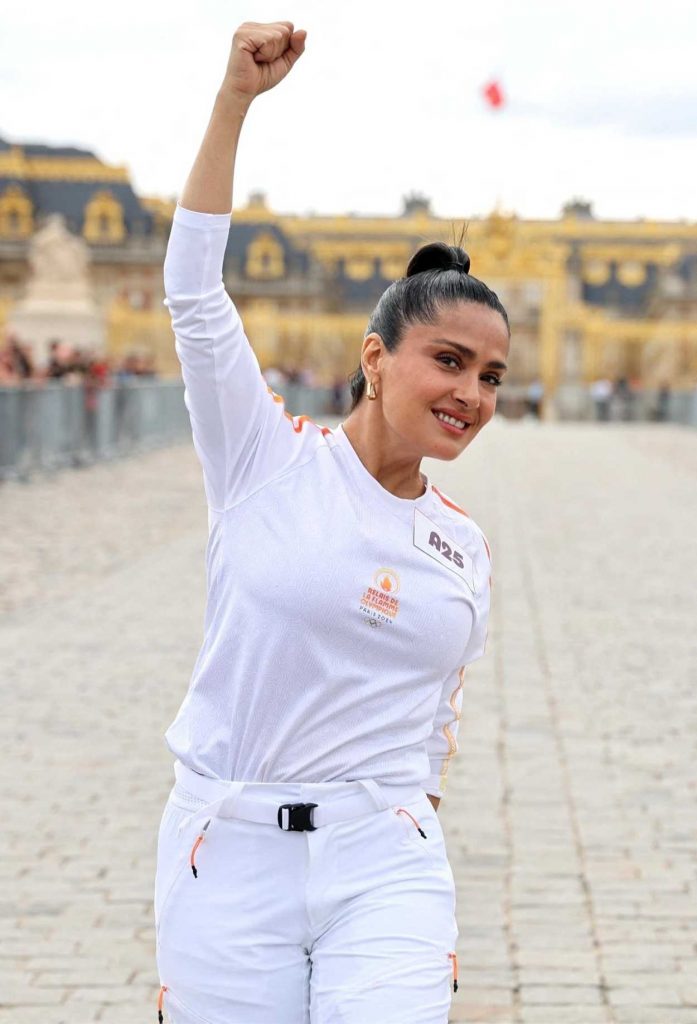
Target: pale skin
point(452, 366)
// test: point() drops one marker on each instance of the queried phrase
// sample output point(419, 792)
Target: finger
point(297, 44)
point(274, 45)
point(257, 34)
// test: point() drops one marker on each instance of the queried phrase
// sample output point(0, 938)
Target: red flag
point(493, 94)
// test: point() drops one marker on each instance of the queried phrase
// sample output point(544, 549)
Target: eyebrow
point(469, 353)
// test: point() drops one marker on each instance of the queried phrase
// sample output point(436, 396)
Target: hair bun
point(438, 256)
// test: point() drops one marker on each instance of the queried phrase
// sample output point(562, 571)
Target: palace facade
point(586, 298)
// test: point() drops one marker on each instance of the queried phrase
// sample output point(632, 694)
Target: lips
point(450, 427)
point(456, 415)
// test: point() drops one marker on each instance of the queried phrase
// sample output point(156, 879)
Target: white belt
point(230, 800)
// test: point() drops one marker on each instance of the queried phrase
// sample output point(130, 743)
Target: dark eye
point(445, 358)
point(491, 378)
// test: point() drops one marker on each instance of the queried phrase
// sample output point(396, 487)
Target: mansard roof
point(64, 179)
point(39, 149)
point(243, 234)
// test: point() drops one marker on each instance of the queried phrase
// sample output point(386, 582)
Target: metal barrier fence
point(49, 426)
point(641, 406)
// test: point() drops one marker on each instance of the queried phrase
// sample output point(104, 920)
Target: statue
point(59, 262)
point(58, 301)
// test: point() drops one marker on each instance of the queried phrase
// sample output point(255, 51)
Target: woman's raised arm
point(260, 57)
point(241, 435)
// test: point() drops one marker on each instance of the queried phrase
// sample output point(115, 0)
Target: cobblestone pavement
point(571, 812)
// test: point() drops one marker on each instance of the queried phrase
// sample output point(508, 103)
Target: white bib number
point(430, 539)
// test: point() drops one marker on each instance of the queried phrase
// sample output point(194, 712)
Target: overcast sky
point(602, 100)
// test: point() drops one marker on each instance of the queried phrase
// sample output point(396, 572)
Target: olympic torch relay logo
point(379, 601)
point(387, 581)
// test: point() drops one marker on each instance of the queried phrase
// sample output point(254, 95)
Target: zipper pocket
point(173, 857)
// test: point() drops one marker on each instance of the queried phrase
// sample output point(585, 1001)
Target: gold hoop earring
point(371, 392)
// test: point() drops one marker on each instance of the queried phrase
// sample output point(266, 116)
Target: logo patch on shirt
point(379, 601)
point(430, 539)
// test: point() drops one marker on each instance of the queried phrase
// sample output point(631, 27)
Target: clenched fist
point(261, 56)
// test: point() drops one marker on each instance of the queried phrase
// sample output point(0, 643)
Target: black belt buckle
point(298, 818)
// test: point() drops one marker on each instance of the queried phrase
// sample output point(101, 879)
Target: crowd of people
point(68, 364)
point(617, 399)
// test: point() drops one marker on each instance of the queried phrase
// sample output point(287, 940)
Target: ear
point(372, 354)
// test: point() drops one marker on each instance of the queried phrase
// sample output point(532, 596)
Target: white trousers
point(353, 923)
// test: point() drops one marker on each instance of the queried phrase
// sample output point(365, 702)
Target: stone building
point(586, 297)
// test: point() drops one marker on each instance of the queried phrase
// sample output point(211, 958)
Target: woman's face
point(450, 367)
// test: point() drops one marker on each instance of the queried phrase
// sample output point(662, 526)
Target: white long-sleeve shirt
point(339, 617)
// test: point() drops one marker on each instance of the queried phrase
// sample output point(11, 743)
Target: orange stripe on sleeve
point(276, 398)
point(298, 422)
point(450, 738)
point(449, 503)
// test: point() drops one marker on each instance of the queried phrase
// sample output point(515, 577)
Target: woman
point(302, 875)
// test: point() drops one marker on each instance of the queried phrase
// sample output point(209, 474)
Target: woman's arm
point(240, 432)
point(442, 744)
point(260, 57)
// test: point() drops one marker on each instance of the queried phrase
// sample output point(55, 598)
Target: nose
point(467, 391)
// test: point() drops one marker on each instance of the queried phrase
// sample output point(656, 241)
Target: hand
point(261, 57)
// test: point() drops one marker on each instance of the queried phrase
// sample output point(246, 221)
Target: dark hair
point(437, 276)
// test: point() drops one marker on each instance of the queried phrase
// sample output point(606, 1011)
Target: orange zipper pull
point(160, 1000)
point(199, 839)
point(401, 810)
point(453, 957)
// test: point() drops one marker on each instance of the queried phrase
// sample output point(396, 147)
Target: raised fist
point(261, 56)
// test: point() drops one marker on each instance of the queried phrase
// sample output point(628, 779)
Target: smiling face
point(444, 371)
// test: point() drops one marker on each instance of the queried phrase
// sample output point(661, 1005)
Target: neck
point(383, 453)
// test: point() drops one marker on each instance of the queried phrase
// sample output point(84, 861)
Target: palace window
point(104, 222)
point(265, 258)
point(16, 213)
